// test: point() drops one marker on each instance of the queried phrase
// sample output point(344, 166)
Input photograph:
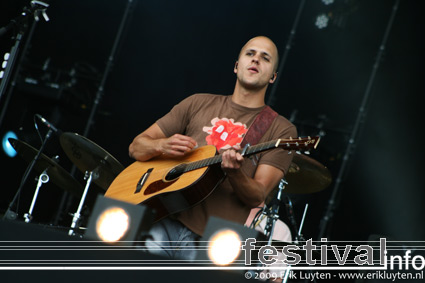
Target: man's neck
point(248, 98)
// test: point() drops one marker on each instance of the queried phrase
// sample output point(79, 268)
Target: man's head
point(257, 63)
point(264, 39)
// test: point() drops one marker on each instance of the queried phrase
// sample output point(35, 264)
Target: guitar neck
point(288, 144)
point(262, 147)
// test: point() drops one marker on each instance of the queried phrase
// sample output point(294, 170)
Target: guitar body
point(169, 185)
point(144, 183)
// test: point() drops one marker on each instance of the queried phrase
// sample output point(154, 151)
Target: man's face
point(255, 68)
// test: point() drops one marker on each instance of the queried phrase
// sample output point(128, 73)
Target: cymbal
point(90, 157)
point(57, 174)
point(306, 176)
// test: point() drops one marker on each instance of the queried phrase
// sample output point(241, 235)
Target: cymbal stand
point(42, 179)
point(298, 236)
point(9, 214)
point(273, 212)
point(90, 176)
point(290, 211)
point(272, 217)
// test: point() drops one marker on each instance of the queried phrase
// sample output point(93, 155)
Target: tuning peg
point(289, 152)
point(307, 152)
point(298, 152)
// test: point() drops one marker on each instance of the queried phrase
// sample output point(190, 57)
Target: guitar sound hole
point(157, 186)
point(175, 172)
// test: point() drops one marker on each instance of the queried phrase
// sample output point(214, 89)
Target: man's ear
point(235, 69)
point(273, 78)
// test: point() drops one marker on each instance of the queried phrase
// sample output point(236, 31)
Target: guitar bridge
point(142, 180)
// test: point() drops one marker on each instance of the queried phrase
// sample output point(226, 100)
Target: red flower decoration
point(225, 133)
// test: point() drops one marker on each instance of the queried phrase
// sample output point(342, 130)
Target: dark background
point(172, 49)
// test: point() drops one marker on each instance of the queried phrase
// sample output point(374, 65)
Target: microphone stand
point(9, 214)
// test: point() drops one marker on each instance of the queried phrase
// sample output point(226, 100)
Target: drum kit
point(97, 164)
point(305, 175)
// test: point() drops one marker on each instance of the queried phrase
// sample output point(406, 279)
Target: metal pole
point(77, 214)
point(21, 23)
point(42, 179)
point(108, 68)
point(65, 202)
point(272, 98)
point(356, 129)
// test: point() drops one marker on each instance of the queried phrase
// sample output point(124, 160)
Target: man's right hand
point(176, 145)
point(153, 142)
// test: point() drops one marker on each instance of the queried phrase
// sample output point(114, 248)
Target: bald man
point(222, 121)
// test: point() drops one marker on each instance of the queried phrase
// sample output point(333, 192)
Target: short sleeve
point(175, 121)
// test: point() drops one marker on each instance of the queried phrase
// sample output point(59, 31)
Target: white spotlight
point(117, 222)
point(322, 21)
point(112, 225)
point(224, 247)
point(327, 2)
point(225, 239)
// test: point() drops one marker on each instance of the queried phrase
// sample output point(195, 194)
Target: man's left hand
point(231, 160)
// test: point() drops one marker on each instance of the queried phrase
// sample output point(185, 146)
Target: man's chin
point(254, 85)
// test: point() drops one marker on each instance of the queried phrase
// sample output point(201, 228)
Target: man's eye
point(267, 59)
point(249, 53)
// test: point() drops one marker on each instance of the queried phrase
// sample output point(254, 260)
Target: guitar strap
point(259, 127)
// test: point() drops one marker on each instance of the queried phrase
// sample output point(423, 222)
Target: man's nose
point(255, 59)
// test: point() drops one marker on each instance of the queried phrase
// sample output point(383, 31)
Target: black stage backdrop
point(172, 49)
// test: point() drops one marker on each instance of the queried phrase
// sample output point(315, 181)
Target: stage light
point(224, 242)
point(224, 247)
point(322, 21)
point(4, 64)
point(113, 224)
point(118, 222)
point(7, 147)
point(327, 2)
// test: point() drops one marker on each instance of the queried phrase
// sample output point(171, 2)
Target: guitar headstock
point(299, 144)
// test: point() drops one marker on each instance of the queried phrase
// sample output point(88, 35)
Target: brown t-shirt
point(217, 120)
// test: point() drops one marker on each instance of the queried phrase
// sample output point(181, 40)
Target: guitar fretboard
point(287, 144)
point(217, 159)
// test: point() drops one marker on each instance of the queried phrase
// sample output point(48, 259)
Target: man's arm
point(153, 142)
point(251, 191)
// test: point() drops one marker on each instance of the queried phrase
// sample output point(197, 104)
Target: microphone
point(47, 123)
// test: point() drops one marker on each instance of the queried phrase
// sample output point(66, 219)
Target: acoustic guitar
point(169, 185)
